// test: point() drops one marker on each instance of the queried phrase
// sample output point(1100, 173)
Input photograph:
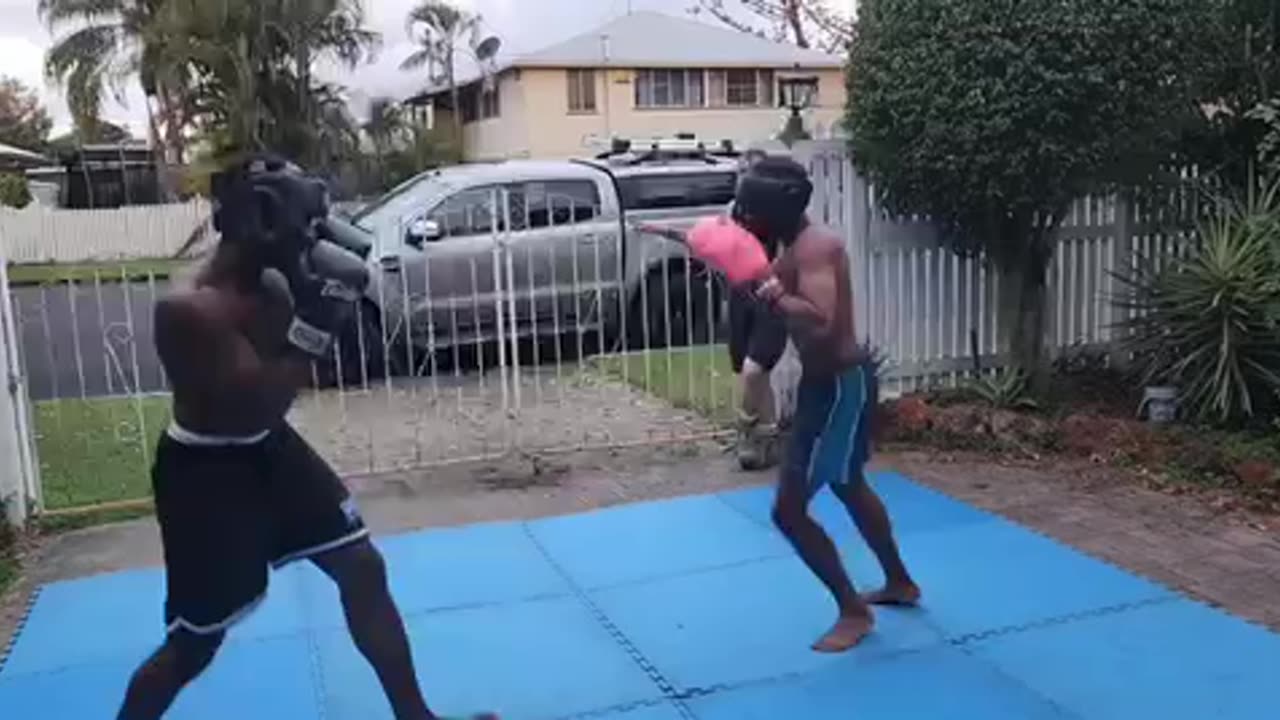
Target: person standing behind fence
point(757, 340)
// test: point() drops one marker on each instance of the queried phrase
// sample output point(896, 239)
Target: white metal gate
point(19, 483)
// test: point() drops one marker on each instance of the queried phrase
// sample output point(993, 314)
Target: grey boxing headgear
point(772, 197)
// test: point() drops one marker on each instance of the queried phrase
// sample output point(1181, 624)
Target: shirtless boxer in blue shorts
point(830, 434)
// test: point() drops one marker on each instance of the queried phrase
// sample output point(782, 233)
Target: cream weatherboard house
point(644, 75)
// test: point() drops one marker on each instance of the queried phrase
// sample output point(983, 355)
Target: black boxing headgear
point(772, 197)
point(268, 204)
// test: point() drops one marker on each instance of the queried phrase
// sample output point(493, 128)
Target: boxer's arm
point(202, 353)
point(811, 310)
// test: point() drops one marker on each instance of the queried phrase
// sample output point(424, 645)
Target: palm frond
point(59, 12)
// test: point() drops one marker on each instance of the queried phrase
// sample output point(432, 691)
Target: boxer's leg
point(867, 510)
point(768, 340)
point(211, 511)
point(740, 323)
point(816, 425)
point(375, 623)
point(318, 521)
point(156, 684)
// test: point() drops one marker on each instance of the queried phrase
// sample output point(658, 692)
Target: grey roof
point(13, 156)
point(648, 39)
point(652, 39)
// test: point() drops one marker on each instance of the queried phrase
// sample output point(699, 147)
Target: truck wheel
point(676, 309)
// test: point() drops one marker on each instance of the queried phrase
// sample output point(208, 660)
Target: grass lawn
point(98, 450)
point(8, 558)
point(108, 271)
point(698, 378)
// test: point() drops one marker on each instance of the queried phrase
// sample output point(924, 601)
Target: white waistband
point(186, 437)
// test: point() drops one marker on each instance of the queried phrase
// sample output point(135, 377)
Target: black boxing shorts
point(756, 331)
point(231, 508)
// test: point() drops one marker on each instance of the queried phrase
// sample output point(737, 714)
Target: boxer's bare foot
point(847, 632)
point(906, 594)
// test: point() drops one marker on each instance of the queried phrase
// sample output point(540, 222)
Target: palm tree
point(253, 63)
point(110, 42)
point(386, 125)
point(440, 29)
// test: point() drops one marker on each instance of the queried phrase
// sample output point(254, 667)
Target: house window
point(469, 98)
point(582, 91)
point(670, 88)
point(489, 105)
point(741, 88)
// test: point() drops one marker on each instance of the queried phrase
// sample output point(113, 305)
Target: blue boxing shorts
point(831, 429)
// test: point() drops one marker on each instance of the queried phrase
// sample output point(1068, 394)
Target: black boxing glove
point(326, 283)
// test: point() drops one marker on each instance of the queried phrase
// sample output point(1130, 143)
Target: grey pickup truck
point(478, 253)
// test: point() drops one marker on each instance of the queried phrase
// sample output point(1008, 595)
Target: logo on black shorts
point(351, 512)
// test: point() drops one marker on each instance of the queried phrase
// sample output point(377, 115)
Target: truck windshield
point(677, 190)
point(414, 194)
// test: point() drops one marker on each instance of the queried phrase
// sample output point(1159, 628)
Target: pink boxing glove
point(730, 249)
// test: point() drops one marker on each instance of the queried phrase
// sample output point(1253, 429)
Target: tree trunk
point(456, 95)
point(1022, 316)
point(164, 180)
point(791, 11)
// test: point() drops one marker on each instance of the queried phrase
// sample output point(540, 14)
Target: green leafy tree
point(1241, 93)
point(13, 190)
point(101, 132)
point(992, 116)
point(254, 82)
point(104, 44)
point(24, 122)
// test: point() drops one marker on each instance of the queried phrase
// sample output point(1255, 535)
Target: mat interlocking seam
point(20, 626)
point(318, 685)
point(655, 675)
point(1067, 619)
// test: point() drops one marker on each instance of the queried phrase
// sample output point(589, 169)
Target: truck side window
point(677, 190)
point(469, 212)
point(555, 202)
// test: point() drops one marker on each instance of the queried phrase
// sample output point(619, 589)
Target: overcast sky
point(23, 40)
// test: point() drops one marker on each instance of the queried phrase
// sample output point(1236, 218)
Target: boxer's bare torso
point(813, 271)
point(221, 343)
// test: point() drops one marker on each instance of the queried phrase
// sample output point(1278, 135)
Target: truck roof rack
point(684, 146)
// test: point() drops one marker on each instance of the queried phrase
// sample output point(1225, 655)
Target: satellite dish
point(488, 48)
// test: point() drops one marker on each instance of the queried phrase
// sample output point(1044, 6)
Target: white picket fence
point(38, 234)
point(930, 311)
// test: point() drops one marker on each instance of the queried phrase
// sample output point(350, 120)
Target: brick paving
point(1228, 559)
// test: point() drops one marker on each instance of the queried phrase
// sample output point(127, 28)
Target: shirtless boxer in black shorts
point(236, 489)
point(830, 432)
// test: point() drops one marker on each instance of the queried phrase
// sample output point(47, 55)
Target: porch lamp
point(797, 94)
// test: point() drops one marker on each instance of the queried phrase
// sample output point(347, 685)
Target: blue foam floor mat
point(687, 608)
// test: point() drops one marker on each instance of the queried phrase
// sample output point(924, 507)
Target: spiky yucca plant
point(1209, 322)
